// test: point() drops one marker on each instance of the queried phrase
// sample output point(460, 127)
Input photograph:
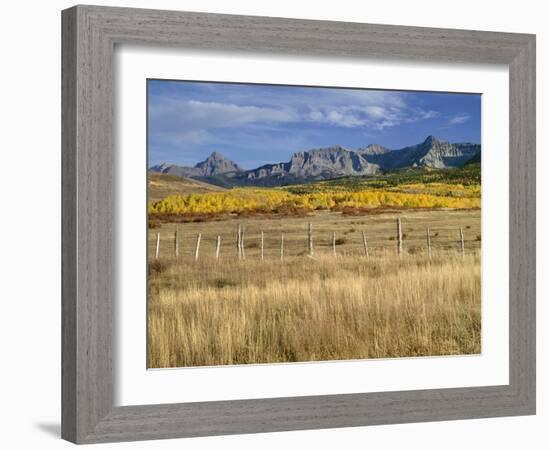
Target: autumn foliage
point(239, 200)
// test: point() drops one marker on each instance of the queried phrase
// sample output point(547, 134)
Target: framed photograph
point(277, 224)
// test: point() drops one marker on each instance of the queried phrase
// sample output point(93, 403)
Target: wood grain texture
point(87, 240)
point(522, 283)
point(68, 226)
point(88, 303)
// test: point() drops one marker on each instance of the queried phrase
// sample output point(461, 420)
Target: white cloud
point(316, 116)
point(458, 119)
point(193, 115)
point(374, 117)
point(375, 110)
point(428, 114)
point(343, 119)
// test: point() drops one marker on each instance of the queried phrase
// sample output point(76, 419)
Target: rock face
point(215, 164)
point(441, 154)
point(320, 163)
point(330, 162)
point(432, 153)
point(374, 149)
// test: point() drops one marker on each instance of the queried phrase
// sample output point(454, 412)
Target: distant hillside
point(329, 162)
point(475, 160)
point(162, 185)
point(468, 175)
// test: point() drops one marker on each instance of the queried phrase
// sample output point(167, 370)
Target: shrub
point(157, 266)
point(153, 222)
point(299, 202)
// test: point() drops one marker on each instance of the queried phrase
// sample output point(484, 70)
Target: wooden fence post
point(176, 248)
point(218, 245)
point(310, 239)
point(157, 246)
point(242, 243)
point(239, 240)
point(262, 245)
point(334, 244)
point(429, 243)
point(365, 245)
point(282, 246)
point(462, 242)
point(197, 247)
point(399, 238)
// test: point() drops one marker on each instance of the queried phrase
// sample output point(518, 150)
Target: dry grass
point(162, 185)
point(380, 228)
point(303, 309)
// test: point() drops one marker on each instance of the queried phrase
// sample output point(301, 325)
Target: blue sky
point(259, 124)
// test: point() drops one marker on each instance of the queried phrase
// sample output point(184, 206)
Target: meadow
point(336, 304)
point(212, 312)
point(280, 297)
point(161, 186)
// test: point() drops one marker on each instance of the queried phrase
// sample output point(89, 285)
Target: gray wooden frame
point(89, 37)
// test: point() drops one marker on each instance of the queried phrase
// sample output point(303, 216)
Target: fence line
point(352, 241)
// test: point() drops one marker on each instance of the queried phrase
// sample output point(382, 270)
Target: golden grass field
point(162, 186)
point(349, 306)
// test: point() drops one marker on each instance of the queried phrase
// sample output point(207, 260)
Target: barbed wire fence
point(252, 242)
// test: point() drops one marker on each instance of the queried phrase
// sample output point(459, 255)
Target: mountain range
point(329, 162)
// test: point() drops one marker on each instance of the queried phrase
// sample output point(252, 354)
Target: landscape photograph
point(290, 224)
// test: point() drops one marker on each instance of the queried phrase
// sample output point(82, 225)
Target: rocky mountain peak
point(162, 168)
point(216, 156)
point(330, 162)
point(374, 149)
point(440, 154)
point(430, 140)
point(216, 164)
